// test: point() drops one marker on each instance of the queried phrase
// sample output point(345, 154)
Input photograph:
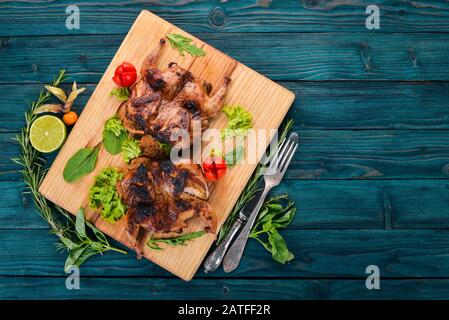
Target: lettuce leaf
point(130, 150)
point(103, 194)
point(239, 122)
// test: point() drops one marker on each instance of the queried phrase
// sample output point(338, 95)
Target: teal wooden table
point(370, 178)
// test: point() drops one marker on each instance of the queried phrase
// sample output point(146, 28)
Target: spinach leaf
point(80, 164)
point(112, 143)
point(114, 134)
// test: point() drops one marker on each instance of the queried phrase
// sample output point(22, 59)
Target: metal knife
point(272, 177)
point(213, 261)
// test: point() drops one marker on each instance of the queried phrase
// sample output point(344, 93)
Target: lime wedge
point(47, 133)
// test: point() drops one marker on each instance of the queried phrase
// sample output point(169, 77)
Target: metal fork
point(272, 177)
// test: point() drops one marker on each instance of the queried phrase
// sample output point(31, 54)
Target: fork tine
point(279, 155)
point(286, 155)
point(276, 154)
point(287, 160)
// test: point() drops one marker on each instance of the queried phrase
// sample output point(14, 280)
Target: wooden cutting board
point(266, 100)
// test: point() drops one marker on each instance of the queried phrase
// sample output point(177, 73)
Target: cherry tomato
point(70, 118)
point(214, 168)
point(125, 75)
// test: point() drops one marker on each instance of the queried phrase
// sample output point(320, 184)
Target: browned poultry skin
point(164, 103)
point(161, 197)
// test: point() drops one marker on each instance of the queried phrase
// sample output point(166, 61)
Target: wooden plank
point(369, 105)
point(315, 211)
point(259, 95)
point(18, 18)
point(319, 254)
point(319, 105)
point(294, 56)
point(253, 289)
point(322, 204)
point(339, 154)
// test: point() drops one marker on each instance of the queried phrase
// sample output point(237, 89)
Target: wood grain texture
point(318, 105)
point(116, 16)
point(328, 41)
point(229, 289)
point(322, 204)
point(318, 254)
point(258, 94)
point(292, 56)
point(340, 154)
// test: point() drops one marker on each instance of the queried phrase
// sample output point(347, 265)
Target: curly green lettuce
point(115, 125)
point(130, 150)
point(121, 93)
point(103, 194)
point(239, 122)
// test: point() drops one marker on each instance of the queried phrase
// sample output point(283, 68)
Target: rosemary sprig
point(79, 244)
point(251, 187)
point(177, 241)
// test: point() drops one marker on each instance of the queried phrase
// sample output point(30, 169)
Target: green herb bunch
point(251, 187)
point(80, 238)
point(276, 213)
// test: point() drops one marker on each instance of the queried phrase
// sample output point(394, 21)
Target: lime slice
point(47, 134)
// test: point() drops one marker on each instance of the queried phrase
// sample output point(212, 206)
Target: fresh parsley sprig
point(71, 233)
point(177, 241)
point(184, 44)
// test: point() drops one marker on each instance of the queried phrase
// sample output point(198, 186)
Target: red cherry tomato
point(214, 168)
point(125, 75)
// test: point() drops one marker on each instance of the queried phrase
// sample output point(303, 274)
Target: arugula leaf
point(183, 44)
point(274, 215)
point(114, 135)
point(178, 241)
point(122, 93)
point(130, 149)
point(80, 164)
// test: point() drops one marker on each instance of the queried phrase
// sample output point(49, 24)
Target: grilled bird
point(164, 103)
point(161, 197)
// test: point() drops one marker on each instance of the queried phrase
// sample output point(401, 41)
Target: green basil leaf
point(112, 143)
point(68, 243)
point(73, 256)
point(98, 234)
point(80, 164)
point(80, 225)
point(85, 254)
point(279, 251)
